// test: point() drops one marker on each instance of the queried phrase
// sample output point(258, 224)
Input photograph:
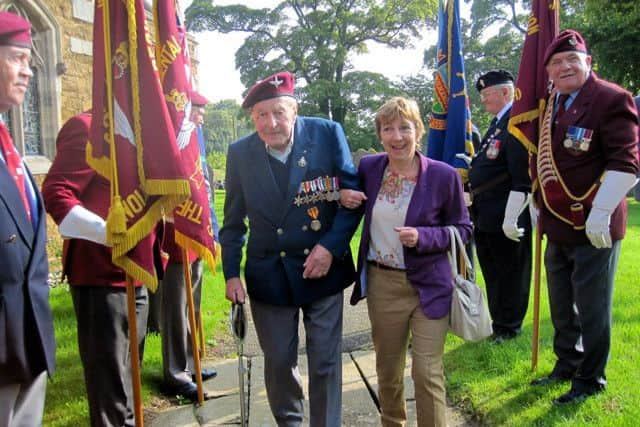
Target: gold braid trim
point(548, 172)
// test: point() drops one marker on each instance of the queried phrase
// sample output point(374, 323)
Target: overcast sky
point(219, 78)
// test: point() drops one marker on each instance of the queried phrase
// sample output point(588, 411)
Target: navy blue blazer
point(280, 231)
point(27, 346)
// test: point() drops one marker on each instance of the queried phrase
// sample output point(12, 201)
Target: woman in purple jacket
point(403, 267)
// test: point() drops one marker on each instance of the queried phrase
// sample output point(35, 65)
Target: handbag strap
point(456, 242)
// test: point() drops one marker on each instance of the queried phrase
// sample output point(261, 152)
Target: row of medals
point(318, 190)
point(314, 191)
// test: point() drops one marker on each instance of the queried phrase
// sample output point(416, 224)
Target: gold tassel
point(116, 221)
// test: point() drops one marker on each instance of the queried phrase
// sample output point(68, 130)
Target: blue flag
point(450, 119)
point(207, 180)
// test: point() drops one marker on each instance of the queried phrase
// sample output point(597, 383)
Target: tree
point(316, 40)
point(493, 39)
point(224, 122)
point(368, 91)
point(610, 28)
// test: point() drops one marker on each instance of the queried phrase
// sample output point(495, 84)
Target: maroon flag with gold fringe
point(531, 86)
point(192, 218)
point(132, 142)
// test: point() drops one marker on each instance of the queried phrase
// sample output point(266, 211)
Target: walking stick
point(536, 300)
point(239, 329)
point(135, 355)
point(186, 267)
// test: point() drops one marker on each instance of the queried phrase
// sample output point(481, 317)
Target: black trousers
point(103, 341)
point(580, 281)
point(506, 267)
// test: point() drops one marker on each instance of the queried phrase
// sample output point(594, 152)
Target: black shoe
point(188, 391)
point(500, 337)
point(552, 378)
point(207, 374)
point(576, 395)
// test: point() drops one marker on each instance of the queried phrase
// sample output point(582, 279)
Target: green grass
point(492, 382)
point(489, 382)
point(66, 403)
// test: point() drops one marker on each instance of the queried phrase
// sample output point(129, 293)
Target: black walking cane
point(239, 329)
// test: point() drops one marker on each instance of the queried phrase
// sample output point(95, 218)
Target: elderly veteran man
point(285, 178)
point(586, 163)
point(500, 187)
point(27, 347)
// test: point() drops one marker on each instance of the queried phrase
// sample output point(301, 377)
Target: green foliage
point(315, 39)
point(492, 381)
point(368, 92)
point(218, 162)
point(224, 122)
point(492, 39)
point(610, 28)
point(66, 402)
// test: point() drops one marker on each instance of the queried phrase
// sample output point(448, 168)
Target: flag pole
point(200, 335)
point(186, 266)
point(535, 338)
point(135, 354)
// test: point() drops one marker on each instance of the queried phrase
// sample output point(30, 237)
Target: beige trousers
point(395, 314)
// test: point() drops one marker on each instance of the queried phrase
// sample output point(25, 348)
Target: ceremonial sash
point(559, 200)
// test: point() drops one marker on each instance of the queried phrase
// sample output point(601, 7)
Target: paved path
point(358, 384)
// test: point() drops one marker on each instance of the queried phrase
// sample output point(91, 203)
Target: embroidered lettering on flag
point(193, 218)
point(132, 142)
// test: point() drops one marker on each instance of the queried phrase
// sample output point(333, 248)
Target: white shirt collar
point(281, 156)
point(504, 110)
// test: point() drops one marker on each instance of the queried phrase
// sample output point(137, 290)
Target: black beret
point(494, 77)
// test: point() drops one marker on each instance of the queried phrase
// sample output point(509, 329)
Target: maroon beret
point(279, 84)
point(566, 41)
point(198, 99)
point(14, 30)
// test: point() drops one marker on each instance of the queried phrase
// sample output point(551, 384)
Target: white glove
point(614, 188)
point(467, 198)
point(516, 203)
point(81, 223)
point(533, 213)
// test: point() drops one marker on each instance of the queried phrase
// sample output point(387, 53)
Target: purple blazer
point(437, 201)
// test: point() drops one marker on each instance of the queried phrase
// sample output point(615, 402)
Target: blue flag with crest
point(449, 137)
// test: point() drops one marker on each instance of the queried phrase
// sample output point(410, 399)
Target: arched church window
point(31, 118)
point(34, 125)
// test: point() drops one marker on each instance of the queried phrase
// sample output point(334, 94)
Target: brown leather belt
point(384, 267)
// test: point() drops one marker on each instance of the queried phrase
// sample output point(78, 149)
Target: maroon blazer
point(437, 201)
point(609, 111)
point(72, 182)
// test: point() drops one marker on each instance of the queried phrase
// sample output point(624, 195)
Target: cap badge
point(481, 83)
point(572, 41)
point(276, 82)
